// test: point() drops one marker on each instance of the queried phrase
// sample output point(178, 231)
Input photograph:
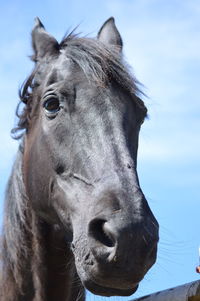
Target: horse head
point(80, 157)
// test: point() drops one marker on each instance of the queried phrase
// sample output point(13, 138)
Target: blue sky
point(162, 44)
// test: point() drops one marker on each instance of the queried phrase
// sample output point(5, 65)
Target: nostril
point(99, 231)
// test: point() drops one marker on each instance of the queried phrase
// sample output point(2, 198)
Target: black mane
point(99, 63)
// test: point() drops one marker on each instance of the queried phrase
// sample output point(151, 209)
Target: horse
point(75, 216)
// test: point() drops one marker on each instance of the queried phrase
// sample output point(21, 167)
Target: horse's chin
point(97, 289)
point(104, 285)
point(106, 280)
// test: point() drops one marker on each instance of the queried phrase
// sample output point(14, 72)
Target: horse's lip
point(97, 289)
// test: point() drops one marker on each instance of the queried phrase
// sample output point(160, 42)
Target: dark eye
point(52, 105)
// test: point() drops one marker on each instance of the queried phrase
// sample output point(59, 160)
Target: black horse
point(75, 215)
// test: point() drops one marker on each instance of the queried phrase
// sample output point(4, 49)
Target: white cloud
point(178, 148)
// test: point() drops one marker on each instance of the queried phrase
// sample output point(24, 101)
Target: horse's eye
point(52, 105)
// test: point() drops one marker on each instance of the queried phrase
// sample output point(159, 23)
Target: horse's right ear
point(43, 43)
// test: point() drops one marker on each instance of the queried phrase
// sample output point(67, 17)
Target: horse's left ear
point(109, 34)
point(43, 43)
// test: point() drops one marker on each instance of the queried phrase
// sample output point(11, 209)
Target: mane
point(21, 253)
point(99, 63)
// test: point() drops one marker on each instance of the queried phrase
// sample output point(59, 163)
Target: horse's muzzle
point(120, 250)
point(122, 255)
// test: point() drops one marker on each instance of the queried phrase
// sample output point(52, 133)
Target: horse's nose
point(115, 244)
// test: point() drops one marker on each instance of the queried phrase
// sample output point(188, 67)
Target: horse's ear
point(109, 34)
point(43, 43)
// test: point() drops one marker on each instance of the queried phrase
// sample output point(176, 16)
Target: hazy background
point(162, 44)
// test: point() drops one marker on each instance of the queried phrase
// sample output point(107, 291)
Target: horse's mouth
point(106, 280)
point(108, 292)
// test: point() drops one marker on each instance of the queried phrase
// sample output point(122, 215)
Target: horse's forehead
point(63, 62)
point(52, 71)
point(63, 67)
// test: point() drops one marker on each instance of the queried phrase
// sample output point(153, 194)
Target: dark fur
point(23, 254)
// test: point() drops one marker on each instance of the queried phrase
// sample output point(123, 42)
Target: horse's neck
point(62, 283)
point(16, 241)
point(36, 262)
